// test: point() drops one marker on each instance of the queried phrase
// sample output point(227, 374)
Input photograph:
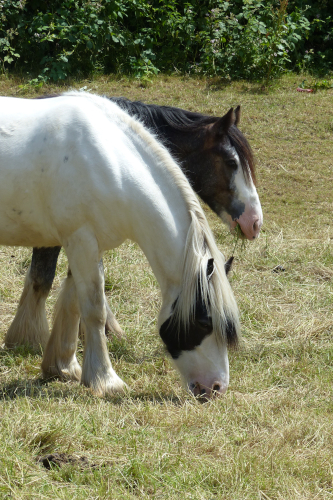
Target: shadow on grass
point(217, 84)
point(39, 388)
point(158, 399)
point(22, 351)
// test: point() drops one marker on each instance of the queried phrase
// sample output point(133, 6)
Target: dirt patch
point(61, 459)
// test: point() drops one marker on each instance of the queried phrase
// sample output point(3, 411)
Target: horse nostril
point(256, 228)
point(203, 392)
point(216, 387)
point(256, 225)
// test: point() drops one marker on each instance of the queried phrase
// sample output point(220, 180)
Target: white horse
point(78, 172)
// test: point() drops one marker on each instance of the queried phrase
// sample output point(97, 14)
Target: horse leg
point(30, 324)
point(59, 358)
point(83, 255)
point(111, 324)
point(87, 269)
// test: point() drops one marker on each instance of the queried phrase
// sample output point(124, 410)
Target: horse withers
point(79, 172)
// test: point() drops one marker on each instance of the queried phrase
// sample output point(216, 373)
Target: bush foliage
point(236, 39)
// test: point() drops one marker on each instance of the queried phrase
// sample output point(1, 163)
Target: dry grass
point(271, 436)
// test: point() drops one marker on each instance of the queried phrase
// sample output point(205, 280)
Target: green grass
point(270, 437)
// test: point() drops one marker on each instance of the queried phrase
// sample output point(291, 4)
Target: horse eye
point(233, 164)
point(205, 323)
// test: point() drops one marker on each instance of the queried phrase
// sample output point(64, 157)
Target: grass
point(270, 437)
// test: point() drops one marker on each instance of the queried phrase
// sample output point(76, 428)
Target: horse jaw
point(205, 369)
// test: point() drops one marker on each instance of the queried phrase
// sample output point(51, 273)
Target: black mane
point(165, 120)
point(163, 117)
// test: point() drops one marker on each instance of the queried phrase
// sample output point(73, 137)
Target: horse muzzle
point(250, 224)
point(205, 393)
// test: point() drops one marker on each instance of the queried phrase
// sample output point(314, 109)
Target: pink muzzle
point(204, 393)
point(250, 223)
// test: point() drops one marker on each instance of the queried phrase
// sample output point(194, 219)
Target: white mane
point(200, 243)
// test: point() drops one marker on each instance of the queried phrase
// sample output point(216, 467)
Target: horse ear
point(210, 268)
point(223, 124)
point(237, 113)
point(228, 264)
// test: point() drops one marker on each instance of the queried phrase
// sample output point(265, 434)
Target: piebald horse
point(80, 173)
point(216, 158)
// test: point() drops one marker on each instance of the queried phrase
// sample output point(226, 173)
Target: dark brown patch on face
point(212, 169)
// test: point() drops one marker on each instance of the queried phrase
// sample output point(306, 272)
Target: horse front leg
point(84, 256)
point(30, 325)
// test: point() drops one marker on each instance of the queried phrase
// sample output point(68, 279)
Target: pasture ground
point(270, 437)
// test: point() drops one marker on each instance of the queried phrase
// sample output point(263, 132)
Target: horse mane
point(163, 116)
point(169, 119)
point(200, 244)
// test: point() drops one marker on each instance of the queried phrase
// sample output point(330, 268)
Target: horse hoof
point(69, 372)
point(107, 387)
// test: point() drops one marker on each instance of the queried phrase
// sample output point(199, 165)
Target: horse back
point(56, 163)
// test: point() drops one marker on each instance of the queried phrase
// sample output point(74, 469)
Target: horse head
point(197, 351)
point(226, 178)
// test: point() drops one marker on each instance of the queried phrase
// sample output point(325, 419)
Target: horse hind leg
point(112, 327)
point(30, 326)
point(111, 324)
point(60, 353)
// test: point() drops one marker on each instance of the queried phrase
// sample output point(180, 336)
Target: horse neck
point(159, 221)
point(161, 234)
point(182, 143)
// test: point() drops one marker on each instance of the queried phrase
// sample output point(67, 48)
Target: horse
point(79, 172)
point(216, 158)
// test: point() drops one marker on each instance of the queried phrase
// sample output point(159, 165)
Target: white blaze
point(251, 219)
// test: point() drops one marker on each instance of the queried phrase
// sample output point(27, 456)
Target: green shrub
point(239, 39)
point(316, 50)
